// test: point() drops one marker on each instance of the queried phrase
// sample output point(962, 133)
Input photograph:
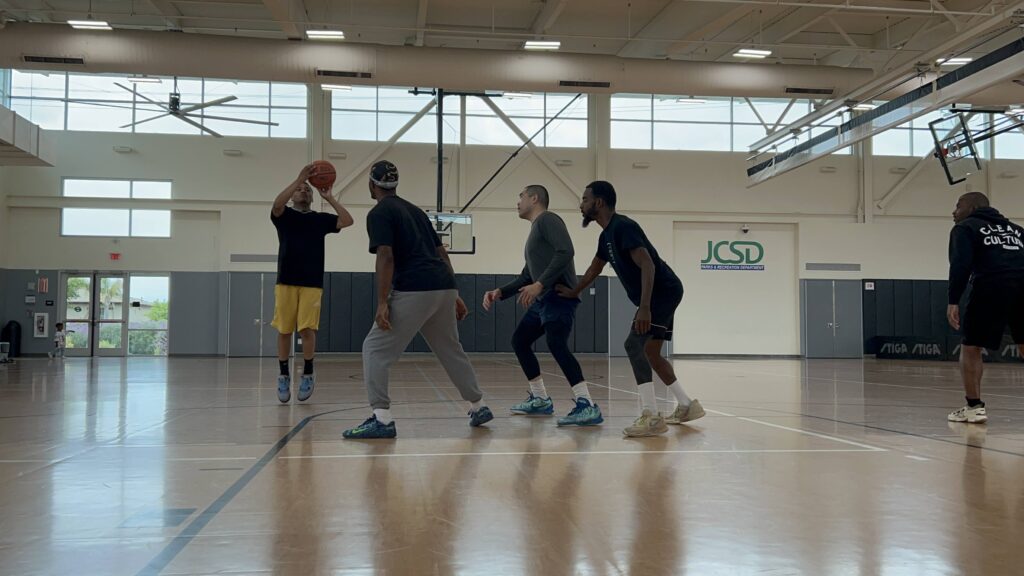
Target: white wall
point(737, 311)
point(222, 203)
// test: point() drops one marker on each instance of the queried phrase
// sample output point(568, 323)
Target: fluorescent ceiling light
point(335, 87)
point(89, 25)
point(325, 34)
point(750, 56)
point(753, 52)
point(518, 95)
point(959, 61)
point(144, 79)
point(864, 106)
point(542, 45)
point(691, 100)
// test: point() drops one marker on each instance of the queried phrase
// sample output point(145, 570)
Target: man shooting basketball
point(300, 274)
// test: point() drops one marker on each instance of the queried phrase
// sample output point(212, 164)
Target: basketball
point(323, 175)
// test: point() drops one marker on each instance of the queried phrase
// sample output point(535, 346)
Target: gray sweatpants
point(431, 314)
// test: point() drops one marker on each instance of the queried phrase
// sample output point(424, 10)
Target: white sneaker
point(647, 424)
point(976, 415)
point(689, 414)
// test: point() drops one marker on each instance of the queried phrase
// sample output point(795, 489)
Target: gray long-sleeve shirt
point(549, 255)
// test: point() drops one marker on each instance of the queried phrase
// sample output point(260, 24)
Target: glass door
point(78, 314)
point(109, 313)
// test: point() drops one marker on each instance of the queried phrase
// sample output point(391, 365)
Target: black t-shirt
point(300, 255)
point(617, 240)
point(398, 223)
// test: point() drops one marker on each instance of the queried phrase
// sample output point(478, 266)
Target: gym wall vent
point(815, 91)
point(579, 84)
point(343, 74)
point(52, 60)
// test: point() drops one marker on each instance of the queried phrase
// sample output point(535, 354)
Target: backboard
point(955, 148)
point(455, 230)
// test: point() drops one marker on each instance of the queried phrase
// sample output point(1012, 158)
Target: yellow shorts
point(296, 307)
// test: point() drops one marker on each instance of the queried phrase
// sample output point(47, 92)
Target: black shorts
point(993, 304)
point(663, 313)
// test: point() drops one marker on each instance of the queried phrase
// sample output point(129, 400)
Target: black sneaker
point(480, 417)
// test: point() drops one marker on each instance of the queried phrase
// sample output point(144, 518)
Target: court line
point(185, 537)
point(752, 420)
point(579, 452)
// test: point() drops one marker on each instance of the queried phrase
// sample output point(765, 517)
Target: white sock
point(681, 398)
point(383, 415)
point(537, 388)
point(647, 399)
point(474, 406)
point(580, 391)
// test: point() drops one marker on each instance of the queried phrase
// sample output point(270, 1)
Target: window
point(110, 103)
point(109, 222)
point(148, 315)
point(663, 122)
point(372, 114)
point(375, 114)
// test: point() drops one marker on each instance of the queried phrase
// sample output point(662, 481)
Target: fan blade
point(86, 103)
point(261, 122)
point(136, 123)
point(197, 125)
point(143, 96)
point(216, 102)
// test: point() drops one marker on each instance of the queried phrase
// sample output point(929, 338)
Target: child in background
point(59, 341)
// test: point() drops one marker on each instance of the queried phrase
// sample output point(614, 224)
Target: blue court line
point(167, 555)
point(164, 558)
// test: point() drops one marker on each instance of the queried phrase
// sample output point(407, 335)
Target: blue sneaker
point(306, 387)
point(534, 406)
point(480, 417)
point(371, 429)
point(584, 414)
point(284, 388)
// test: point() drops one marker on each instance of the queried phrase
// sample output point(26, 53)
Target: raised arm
point(344, 218)
point(282, 199)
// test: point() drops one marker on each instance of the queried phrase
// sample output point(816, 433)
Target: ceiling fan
point(173, 107)
point(186, 114)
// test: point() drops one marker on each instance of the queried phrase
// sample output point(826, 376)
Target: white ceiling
point(877, 34)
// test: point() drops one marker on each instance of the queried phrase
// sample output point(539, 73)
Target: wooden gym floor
point(190, 466)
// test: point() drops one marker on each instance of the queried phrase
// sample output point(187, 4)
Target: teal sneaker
point(306, 386)
point(584, 414)
point(284, 388)
point(371, 428)
point(534, 406)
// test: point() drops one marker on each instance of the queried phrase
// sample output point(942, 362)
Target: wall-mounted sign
point(733, 255)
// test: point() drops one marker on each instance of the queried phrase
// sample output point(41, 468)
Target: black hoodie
point(985, 245)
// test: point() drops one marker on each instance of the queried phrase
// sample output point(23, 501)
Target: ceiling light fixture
point(89, 25)
point(335, 88)
point(958, 61)
point(325, 34)
point(542, 45)
point(691, 100)
point(752, 53)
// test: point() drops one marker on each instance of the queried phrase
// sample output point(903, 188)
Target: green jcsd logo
point(735, 255)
